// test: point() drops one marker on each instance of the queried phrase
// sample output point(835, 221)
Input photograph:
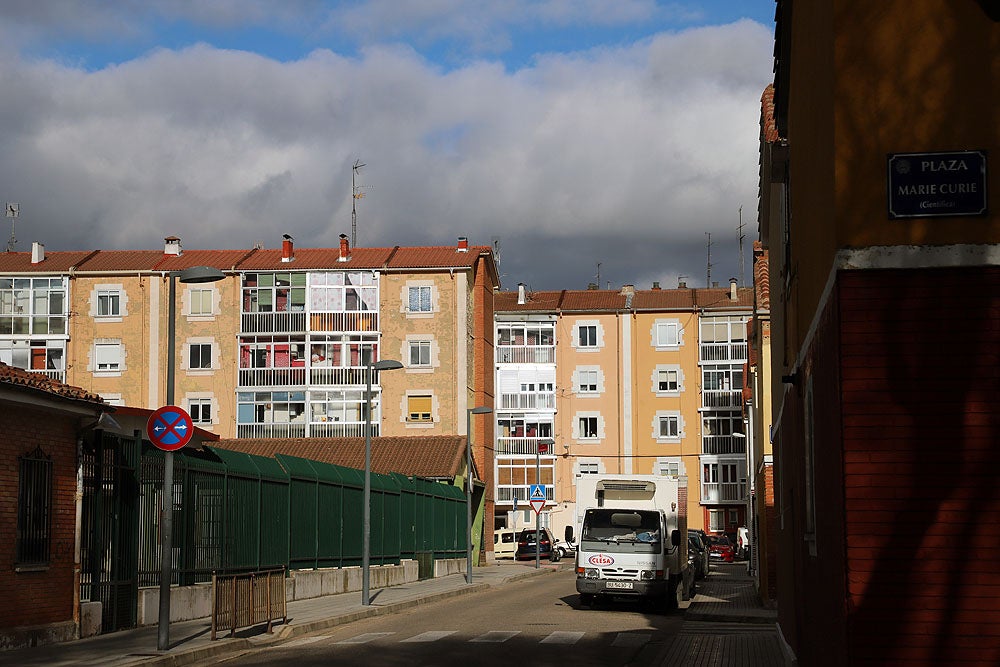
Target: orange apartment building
point(279, 347)
point(630, 381)
point(884, 254)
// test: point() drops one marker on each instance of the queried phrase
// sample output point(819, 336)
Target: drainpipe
point(77, 537)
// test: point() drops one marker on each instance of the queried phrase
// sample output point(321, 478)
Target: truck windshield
point(616, 526)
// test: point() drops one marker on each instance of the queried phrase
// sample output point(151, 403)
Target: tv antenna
point(742, 236)
point(708, 271)
point(13, 210)
point(357, 192)
point(598, 275)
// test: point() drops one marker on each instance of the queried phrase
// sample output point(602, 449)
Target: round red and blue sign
point(170, 428)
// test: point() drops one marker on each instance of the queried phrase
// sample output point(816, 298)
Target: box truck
point(632, 538)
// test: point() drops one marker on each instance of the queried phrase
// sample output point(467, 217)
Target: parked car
point(526, 547)
point(720, 548)
point(566, 549)
point(702, 562)
point(504, 542)
point(697, 556)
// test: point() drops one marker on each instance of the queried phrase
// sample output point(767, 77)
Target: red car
point(720, 548)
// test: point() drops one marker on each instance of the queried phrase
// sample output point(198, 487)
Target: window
point(667, 380)
point(734, 517)
point(200, 356)
point(669, 427)
point(587, 381)
point(587, 335)
point(200, 410)
point(34, 508)
point(419, 299)
point(667, 334)
point(587, 427)
point(418, 408)
point(201, 301)
point(420, 353)
point(589, 468)
point(668, 468)
point(109, 303)
point(108, 357)
point(716, 520)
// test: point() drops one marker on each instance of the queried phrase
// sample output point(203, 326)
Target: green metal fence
point(236, 512)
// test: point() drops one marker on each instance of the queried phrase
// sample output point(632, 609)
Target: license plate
point(625, 585)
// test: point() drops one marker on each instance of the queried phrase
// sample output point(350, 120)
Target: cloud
point(634, 152)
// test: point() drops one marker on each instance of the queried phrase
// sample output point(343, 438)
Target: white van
point(504, 543)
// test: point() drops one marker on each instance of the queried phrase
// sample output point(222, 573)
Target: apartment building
point(884, 255)
point(279, 347)
point(626, 381)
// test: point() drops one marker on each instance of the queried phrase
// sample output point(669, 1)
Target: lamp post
point(543, 446)
point(194, 274)
point(480, 410)
point(383, 365)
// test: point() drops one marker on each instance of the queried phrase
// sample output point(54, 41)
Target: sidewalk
point(725, 624)
point(190, 641)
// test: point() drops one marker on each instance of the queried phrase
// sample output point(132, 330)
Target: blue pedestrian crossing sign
point(536, 496)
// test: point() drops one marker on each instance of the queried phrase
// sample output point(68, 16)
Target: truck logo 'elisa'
point(601, 559)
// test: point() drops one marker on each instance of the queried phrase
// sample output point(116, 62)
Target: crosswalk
point(621, 639)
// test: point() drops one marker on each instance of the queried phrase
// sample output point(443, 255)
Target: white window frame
point(423, 348)
point(196, 418)
point(669, 467)
point(716, 520)
point(198, 295)
point(670, 418)
point(588, 380)
point(588, 343)
point(111, 355)
point(211, 355)
point(418, 290)
point(666, 334)
point(588, 467)
point(579, 430)
point(405, 409)
point(664, 372)
point(111, 294)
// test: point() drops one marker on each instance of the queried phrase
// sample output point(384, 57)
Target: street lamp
point(194, 274)
point(481, 410)
point(544, 445)
point(383, 365)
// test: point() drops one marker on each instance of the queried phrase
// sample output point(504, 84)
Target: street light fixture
point(480, 410)
point(543, 445)
point(194, 274)
point(383, 365)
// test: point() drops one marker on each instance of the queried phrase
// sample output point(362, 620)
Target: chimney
point(345, 249)
point(463, 244)
point(522, 298)
point(715, 283)
point(628, 289)
point(172, 246)
point(732, 289)
point(682, 284)
point(656, 285)
point(287, 250)
point(591, 286)
point(37, 252)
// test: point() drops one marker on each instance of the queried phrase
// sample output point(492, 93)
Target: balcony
point(526, 354)
point(283, 322)
point(528, 401)
point(723, 444)
point(272, 377)
point(724, 492)
point(507, 494)
point(731, 352)
point(297, 430)
point(518, 446)
point(726, 398)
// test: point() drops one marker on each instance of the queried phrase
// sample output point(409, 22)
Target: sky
point(588, 141)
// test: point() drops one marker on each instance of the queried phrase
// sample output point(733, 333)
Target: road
point(536, 622)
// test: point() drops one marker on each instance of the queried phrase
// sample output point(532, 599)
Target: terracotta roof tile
point(664, 299)
point(11, 375)
point(768, 127)
point(54, 262)
point(419, 456)
point(583, 301)
point(761, 276)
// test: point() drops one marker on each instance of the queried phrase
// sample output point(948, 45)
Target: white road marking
point(365, 638)
point(630, 639)
point(304, 641)
point(431, 636)
point(495, 636)
point(561, 637)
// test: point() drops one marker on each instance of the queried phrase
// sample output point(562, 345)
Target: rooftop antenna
point(598, 275)
point(357, 192)
point(12, 211)
point(742, 236)
point(708, 272)
point(496, 251)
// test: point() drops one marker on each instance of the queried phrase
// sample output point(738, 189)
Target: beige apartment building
point(627, 381)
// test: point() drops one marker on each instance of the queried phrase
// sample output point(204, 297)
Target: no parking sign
point(170, 428)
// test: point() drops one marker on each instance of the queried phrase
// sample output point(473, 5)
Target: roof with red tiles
point(534, 302)
point(664, 299)
point(17, 377)
point(768, 127)
point(583, 301)
point(436, 257)
point(435, 456)
point(761, 276)
point(54, 262)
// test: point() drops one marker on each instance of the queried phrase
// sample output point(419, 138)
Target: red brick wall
point(36, 598)
point(921, 438)
point(768, 577)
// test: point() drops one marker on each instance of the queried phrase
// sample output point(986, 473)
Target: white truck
point(632, 538)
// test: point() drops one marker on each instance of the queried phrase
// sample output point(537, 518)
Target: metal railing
point(272, 377)
point(723, 444)
point(507, 494)
point(285, 322)
point(244, 600)
point(526, 354)
point(514, 446)
point(726, 398)
point(723, 352)
point(723, 492)
point(528, 401)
